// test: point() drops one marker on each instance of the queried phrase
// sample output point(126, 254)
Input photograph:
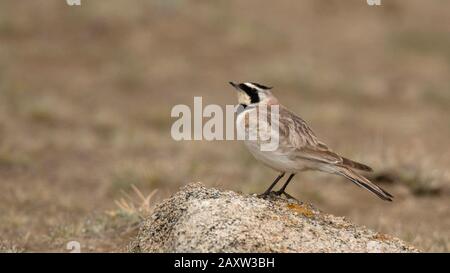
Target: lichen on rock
point(201, 219)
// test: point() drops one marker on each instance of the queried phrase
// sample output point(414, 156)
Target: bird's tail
point(364, 183)
point(355, 165)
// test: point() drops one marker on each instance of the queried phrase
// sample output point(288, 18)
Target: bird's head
point(250, 93)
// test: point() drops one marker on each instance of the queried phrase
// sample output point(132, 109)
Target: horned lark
point(298, 147)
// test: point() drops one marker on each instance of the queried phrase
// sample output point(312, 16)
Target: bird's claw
point(263, 195)
point(276, 193)
point(280, 192)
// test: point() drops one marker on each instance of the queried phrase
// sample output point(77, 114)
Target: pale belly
point(277, 160)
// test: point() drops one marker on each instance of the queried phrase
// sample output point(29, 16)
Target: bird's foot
point(280, 192)
point(264, 194)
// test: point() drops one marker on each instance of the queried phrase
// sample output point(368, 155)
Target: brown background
point(86, 94)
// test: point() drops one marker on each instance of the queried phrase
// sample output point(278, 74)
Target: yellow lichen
point(381, 237)
point(301, 209)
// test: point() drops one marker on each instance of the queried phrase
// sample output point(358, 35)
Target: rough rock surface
point(200, 219)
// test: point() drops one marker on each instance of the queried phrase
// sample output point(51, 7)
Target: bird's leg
point(267, 192)
point(283, 188)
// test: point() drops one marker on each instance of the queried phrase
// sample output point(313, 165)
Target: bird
point(299, 149)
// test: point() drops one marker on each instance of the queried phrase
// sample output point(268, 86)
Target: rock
point(200, 219)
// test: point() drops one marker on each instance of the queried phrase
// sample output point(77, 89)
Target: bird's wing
point(303, 143)
point(301, 140)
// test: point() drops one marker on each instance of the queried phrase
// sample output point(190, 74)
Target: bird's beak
point(234, 85)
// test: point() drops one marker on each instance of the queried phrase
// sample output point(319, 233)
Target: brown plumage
point(307, 146)
point(302, 138)
point(299, 148)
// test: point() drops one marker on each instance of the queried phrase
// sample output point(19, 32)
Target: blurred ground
point(86, 94)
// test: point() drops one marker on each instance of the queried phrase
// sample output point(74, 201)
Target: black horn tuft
point(261, 86)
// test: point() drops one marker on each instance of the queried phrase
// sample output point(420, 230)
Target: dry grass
point(86, 94)
point(142, 207)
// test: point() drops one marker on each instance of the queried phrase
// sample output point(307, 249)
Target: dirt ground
point(86, 94)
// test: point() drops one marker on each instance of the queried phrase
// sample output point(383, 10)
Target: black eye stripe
point(246, 88)
point(251, 92)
